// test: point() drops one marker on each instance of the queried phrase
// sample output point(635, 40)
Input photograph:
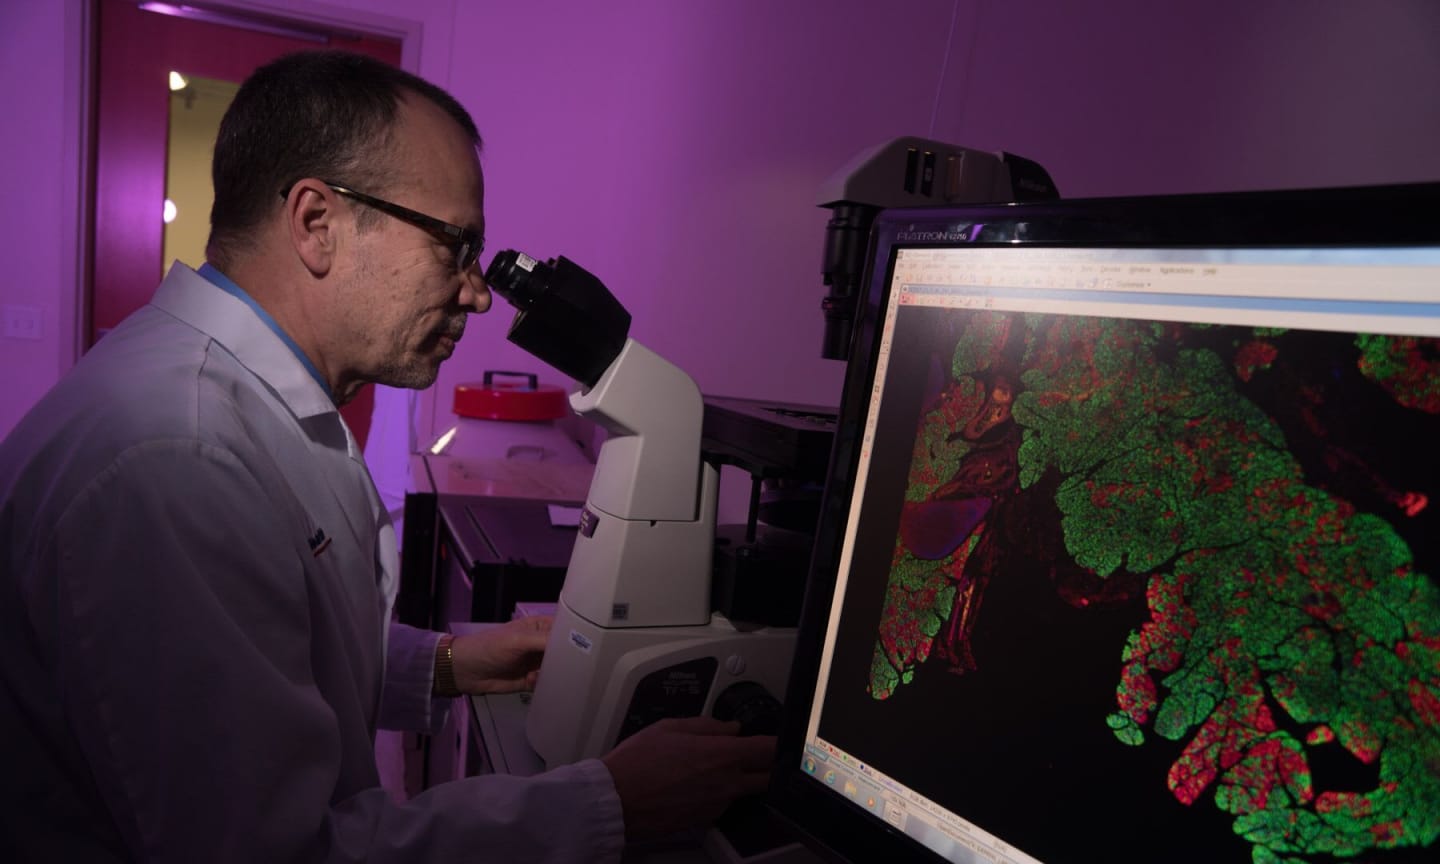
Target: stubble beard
point(418, 374)
point(423, 368)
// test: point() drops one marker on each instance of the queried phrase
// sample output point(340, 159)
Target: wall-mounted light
point(177, 81)
point(170, 211)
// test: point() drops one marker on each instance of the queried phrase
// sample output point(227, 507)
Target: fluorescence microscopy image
point(1256, 507)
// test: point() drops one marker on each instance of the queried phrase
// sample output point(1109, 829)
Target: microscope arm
point(643, 556)
point(649, 466)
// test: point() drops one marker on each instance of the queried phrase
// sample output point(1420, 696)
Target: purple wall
point(38, 192)
point(675, 148)
point(1138, 97)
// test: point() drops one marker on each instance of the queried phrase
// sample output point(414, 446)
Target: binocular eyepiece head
point(564, 315)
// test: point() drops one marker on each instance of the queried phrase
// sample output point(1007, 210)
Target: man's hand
point(501, 659)
point(681, 774)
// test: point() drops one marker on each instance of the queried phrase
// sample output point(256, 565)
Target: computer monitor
point(1130, 544)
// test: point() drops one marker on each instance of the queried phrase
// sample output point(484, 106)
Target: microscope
point(639, 635)
point(906, 172)
point(635, 639)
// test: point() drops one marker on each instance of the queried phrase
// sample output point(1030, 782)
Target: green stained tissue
point(1406, 367)
point(918, 599)
point(1270, 593)
point(1126, 729)
point(920, 594)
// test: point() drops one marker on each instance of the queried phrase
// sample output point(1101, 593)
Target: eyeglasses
point(463, 242)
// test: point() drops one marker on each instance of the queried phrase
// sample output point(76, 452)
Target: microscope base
point(600, 685)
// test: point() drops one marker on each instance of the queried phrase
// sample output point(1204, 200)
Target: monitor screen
point(1130, 545)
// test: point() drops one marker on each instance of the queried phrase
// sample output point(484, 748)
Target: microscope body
point(643, 553)
point(634, 639)
point(905, 172)
point(599, 685)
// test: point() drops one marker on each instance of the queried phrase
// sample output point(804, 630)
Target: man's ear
point(312, 222)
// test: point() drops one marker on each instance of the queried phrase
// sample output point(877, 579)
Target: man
point(196, 574)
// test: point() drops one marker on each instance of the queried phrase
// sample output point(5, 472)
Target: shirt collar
point(224, 311)
point(226, 284)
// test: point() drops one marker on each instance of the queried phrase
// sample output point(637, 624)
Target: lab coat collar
point(226, 284)
point(228, 319)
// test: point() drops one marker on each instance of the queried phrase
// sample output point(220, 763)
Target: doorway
point(147, 56)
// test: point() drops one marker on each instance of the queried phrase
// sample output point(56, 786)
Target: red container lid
point(526, 400)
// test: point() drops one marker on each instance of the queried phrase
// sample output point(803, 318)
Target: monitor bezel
point(1358, 216)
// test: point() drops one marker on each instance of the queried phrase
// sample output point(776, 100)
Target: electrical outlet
point(20, 322)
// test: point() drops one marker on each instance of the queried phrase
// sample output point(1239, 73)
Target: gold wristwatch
point(445, 667)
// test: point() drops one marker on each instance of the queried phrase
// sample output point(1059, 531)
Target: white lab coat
point(195, 581)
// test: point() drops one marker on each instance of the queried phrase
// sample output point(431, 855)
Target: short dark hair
point(327, 114)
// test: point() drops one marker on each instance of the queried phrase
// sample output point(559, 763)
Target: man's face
point(407, 301)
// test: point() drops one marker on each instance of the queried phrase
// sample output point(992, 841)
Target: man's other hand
point(501, 659)
point(680, 774)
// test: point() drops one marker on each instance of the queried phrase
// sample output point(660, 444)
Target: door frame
point(77, 185)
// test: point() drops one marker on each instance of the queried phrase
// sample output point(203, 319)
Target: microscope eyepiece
point(565, 316)
point(513, 275)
